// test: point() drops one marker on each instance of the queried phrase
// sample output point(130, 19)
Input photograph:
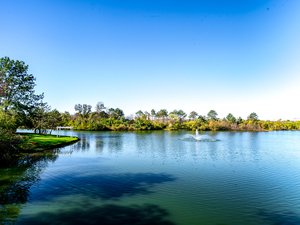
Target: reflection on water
point(115, 144)
point(94, 141)
point(107, 214)
point(83, 144)
point(157, 178)
point(99, 145)
point(104, 186)
point(16, 180)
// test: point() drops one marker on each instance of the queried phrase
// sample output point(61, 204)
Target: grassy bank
point(37, 142)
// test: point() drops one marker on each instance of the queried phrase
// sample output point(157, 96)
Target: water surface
point(158, 178)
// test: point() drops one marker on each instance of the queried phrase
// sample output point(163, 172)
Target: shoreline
point(41, 142)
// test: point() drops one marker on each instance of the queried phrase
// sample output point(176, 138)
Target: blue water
point(159, 178)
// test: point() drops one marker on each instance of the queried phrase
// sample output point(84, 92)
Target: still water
point(158, 178)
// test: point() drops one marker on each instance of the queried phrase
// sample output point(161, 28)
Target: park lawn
point(39, 142)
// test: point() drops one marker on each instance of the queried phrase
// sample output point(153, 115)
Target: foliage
point(212, 115)
point(230, 118)
point(17, 95)
point(20, 106)
point(8, 138)
point(46, 120)
point(83, 110)
point(113, 119)
point(253, 116)
point(193, 115)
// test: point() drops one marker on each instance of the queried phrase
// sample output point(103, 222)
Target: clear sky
point(237, 56)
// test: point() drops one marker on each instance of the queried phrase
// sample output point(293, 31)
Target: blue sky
point(232, 56)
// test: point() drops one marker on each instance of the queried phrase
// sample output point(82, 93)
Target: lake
point(158, 177)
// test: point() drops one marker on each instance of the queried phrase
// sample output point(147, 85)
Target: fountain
point(199, 137)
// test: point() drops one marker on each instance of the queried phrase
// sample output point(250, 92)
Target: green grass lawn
point(43, 142)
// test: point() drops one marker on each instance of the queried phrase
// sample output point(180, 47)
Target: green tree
point(140, 114)
point(54, 119)
point(179, 114)
point(153, 114)
point(86, 109)
point(162, 114)
point(202, 119)
point(66, 118)
point(39, 119)
point(212, 115)
point(253, 116)
point(231, 118)
point(100, 107)
point(83, 109)
point(239, 120)
point(17, 94)
point(147, 115)
point(78, 108)
point(115, 113)
point(193, 115)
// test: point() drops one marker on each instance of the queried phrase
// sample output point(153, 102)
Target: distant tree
point(212, 115)
point(86, 109)
point(180, 114)
point(193, 115)
point(239, 120)
point(230, 118)
point(100, 107)
point(83, 109)
point(253, 116)
point(153, 114)
point(202, 119)
point(147, 115)
point(115, 113)
point(119, 113)
point(66, 118)
point(163, 113)
point(78, 108)
point(140, 114)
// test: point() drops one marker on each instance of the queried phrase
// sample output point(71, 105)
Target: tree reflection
point(82, 145)
point(16, 180)
point(115, 143)
point(99, 145)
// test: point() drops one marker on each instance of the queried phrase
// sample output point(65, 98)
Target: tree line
point(21, 107)
point(104, 118)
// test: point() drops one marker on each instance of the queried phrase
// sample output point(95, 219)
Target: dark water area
point(159, 178)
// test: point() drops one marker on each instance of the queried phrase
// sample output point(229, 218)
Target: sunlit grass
point(42, 142)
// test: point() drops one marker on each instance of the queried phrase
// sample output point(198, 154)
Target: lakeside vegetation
point(37, 142)
point(114, 119)
point(21, 107)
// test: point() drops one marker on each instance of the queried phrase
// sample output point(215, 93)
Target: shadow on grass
point(104, 186)
point(104, 215)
